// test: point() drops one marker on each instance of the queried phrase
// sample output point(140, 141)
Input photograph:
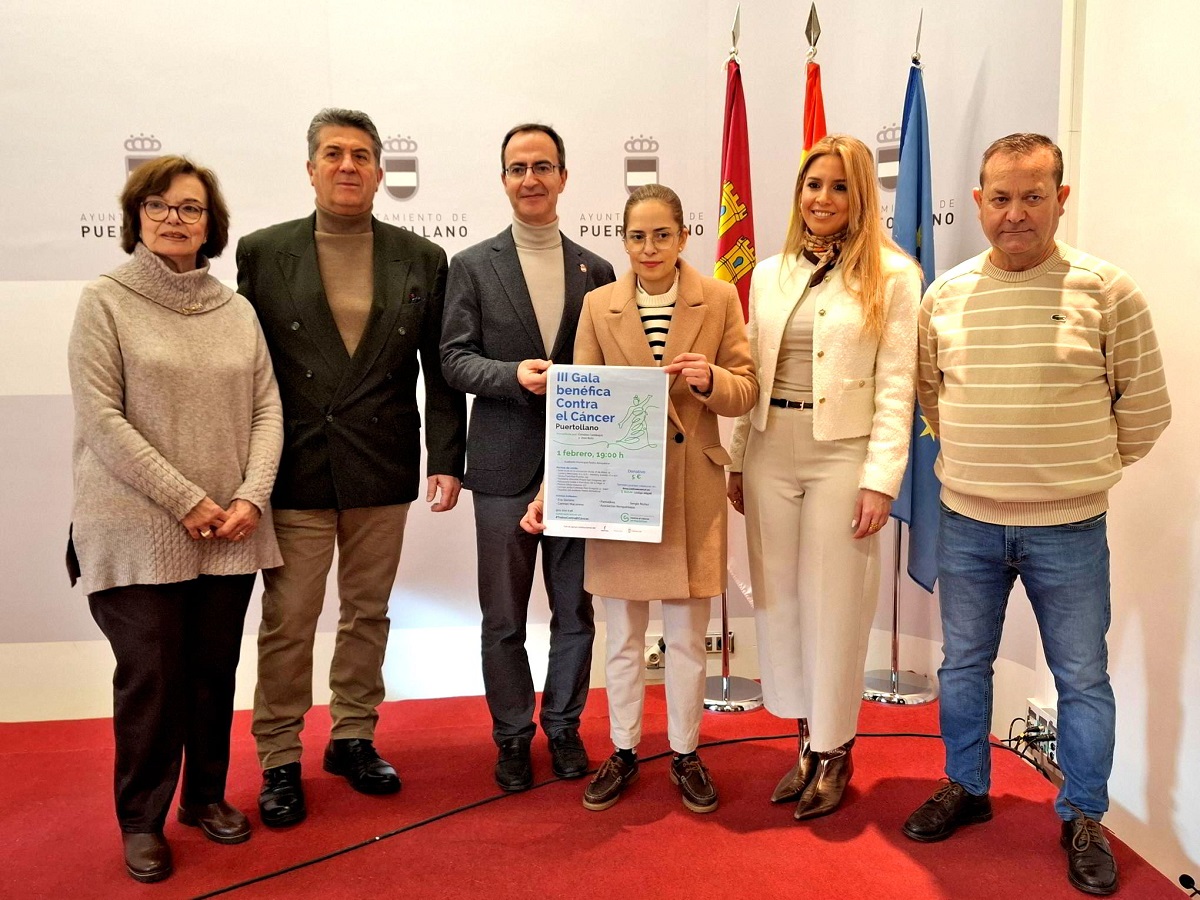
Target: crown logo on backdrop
point(143, 143)
point(398, 144)
point(888, 134)
point(641, 144)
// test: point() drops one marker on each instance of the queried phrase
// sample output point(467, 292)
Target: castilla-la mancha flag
point(735, 232)
point(814, 109)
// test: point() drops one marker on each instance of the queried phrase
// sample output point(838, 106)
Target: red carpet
point(60, 839)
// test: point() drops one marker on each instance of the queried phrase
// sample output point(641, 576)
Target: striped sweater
point(1040, 386)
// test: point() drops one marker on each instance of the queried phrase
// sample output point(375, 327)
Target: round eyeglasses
point(660, 240)
point(158, 210)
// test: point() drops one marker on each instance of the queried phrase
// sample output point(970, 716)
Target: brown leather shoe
point(147, 856)
point(792, 785)
point(219, 821)
point(824, 792)
point(609, 781)
point(695, 785)
point(941, 815)
point(1090, 864)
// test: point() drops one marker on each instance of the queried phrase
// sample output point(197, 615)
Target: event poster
point(606, 444)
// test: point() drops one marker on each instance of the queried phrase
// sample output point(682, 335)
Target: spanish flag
point(735, 232)
point(814, 109)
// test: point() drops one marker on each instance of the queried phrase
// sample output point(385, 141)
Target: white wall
point(1136, 128)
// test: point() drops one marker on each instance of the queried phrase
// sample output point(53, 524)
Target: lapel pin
point(583, 268)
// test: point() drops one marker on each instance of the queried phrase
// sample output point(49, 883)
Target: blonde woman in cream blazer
point(821, 456)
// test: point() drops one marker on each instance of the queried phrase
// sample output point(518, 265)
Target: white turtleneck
point(540, 250)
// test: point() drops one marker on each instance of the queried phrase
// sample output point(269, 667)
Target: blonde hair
point(861, 252)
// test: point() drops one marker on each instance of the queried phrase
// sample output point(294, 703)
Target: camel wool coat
point(690, 561)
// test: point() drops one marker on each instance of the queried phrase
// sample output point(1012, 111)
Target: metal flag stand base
point(727, 693)
point(892, 685)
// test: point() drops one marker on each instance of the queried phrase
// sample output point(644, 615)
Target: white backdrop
point(234, 84)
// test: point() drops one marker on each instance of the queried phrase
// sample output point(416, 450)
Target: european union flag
point(918, 503)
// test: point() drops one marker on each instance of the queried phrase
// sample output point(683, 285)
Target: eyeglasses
point(660, 240)
point(158, 210)
point(541, 169)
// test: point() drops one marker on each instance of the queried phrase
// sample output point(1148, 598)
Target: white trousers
point(815, 586)
point(684, 625)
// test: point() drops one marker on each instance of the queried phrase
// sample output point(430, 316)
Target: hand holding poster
point(606, 440)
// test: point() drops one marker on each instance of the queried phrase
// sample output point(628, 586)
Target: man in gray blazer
point(512, 304)
point(348, 305)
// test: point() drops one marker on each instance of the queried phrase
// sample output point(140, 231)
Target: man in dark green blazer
point(352, 311)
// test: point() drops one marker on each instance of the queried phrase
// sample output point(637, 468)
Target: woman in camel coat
point(665, 313)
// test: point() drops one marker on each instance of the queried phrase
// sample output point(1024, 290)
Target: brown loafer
point(219, 821)
point(824, 793)
point(609, 781)
point(147, 856)
point(698, 792)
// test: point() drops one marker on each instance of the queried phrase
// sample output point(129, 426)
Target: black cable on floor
point(1000, 745)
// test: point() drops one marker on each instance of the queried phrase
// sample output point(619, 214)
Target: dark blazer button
point(295, 326)
point(679, 438)
point(329, 418)
point(374, 420)
point(308, 374)
point(387, 376)
point(402, 330)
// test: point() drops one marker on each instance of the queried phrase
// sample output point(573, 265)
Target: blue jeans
point(1064, 569)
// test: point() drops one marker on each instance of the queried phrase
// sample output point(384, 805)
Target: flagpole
point(891, 685)
point(727, 693)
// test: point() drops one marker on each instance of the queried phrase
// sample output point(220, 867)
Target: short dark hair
point(662, 194)
point(544, 129)
point(342, 118)
point(1024, 143)
point(155, 177)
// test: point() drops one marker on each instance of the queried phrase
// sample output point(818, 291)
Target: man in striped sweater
point(1041, 375)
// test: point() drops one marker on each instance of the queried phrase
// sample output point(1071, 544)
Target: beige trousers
point(815, 587)
point(684, 625)
point(368, 542)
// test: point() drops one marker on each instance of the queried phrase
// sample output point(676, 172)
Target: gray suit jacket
point(489, 326)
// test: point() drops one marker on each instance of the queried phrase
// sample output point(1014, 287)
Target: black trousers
point(177, 648)
point(507, 565)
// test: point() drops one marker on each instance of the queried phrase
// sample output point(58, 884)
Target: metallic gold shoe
point(824, 793)
point(792, 785)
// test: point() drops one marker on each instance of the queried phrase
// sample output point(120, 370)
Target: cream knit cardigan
point(175, 400)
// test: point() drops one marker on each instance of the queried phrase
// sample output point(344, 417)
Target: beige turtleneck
point(540, 250)
point(345, 258)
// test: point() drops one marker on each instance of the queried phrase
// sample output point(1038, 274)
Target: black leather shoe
point(1090, 864)
point(355, 760)
point(695, 785)
point(147, 856)
point(514, 768)
point(941, 815)
point(568, 757)
point(219, 821)
point(281, 800)
point(609, 781)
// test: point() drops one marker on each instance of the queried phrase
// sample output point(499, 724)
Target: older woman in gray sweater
point(178, 431)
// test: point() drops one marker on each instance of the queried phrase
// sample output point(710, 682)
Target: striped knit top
point(1040, 386)
point(656, 311)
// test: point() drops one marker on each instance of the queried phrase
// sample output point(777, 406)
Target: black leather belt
point(791, 404)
